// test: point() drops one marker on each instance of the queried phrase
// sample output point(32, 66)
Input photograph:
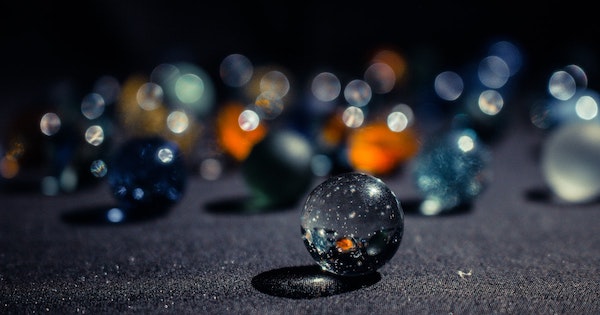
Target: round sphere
point(570, 162)
point(278, 169)
point(352, 224)
point(450, 170)
point(147, 174)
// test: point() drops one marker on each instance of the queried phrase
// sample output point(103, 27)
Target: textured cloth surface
point(514, 252)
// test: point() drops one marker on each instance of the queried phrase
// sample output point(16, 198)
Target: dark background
point(48, 41)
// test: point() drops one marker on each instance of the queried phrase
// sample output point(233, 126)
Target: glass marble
point(148, 174)
point(352, 224)
point(570, 162)
point(278, 169)
point(450, 170)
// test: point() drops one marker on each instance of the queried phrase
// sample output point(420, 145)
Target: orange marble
point(377, 150)
point(231, 138)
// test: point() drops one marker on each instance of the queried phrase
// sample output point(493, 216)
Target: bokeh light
point(92, 106)
point(50, 124)
point(586, 107)
point(165, 155)
point(509, 53)
point(248, 120)
point(397, 121)
point(268, 105)
point(326, 86)
point(189, 88)
point(394, 60)
point(321, 165)
point(358, 93)
point(380, 77)
point(94, 135)
point(578, 74)
point(401, 117)
point(490, 102)
point(178, 121)
point(562, 85)
point(448, 85)
point(353, 117)
point(115, 215)
point(98, 168)
point(236, 70)
point(493, 72)
point(150, 96)
point(276, 83)
point(235, 141)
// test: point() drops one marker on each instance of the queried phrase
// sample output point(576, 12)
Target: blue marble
point(450, 170)
point(147, 174)
point(352, 224)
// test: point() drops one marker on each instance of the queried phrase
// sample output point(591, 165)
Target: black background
point(48, 41)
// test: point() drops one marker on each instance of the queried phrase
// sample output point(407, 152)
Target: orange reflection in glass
point(231, 137)
point(377, 150)
point(345, 244)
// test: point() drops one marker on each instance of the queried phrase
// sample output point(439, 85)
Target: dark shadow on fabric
point(413, 207)
point(309, 282)
point(539, 195)
point(543, 195)
point(111, 215)
point(245, 205)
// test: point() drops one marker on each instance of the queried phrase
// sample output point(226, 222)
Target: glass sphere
point(570, 162)
point(147, 174)
point(278, 169)
point(352, 224)
point(450, 170)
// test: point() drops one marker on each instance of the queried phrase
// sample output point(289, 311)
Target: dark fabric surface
point(513, 252)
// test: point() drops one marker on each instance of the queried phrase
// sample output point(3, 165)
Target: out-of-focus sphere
point(147, 174)
point(380, 77)
point(358, 93)
point(353, 117)
point(352, 224)
point(490, 102)
point(268, 105)
point(562, 85)
point(326, 87)
point(178, 121)
point(570, 162)
point(98, 168)
point(278, 169)
point(92, 106)
point(50, 124)
point(150, 96)
point(448, 85)
point(236, 70)
point(276, 82)
point(450, 170)
point(578, 75)
point(94, 135)
point(493, 72)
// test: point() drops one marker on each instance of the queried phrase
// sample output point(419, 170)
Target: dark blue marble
point(147, 174)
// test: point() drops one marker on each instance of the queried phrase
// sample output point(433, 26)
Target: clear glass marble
point(570, 162)
point(450, 170)
point(352, 224)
